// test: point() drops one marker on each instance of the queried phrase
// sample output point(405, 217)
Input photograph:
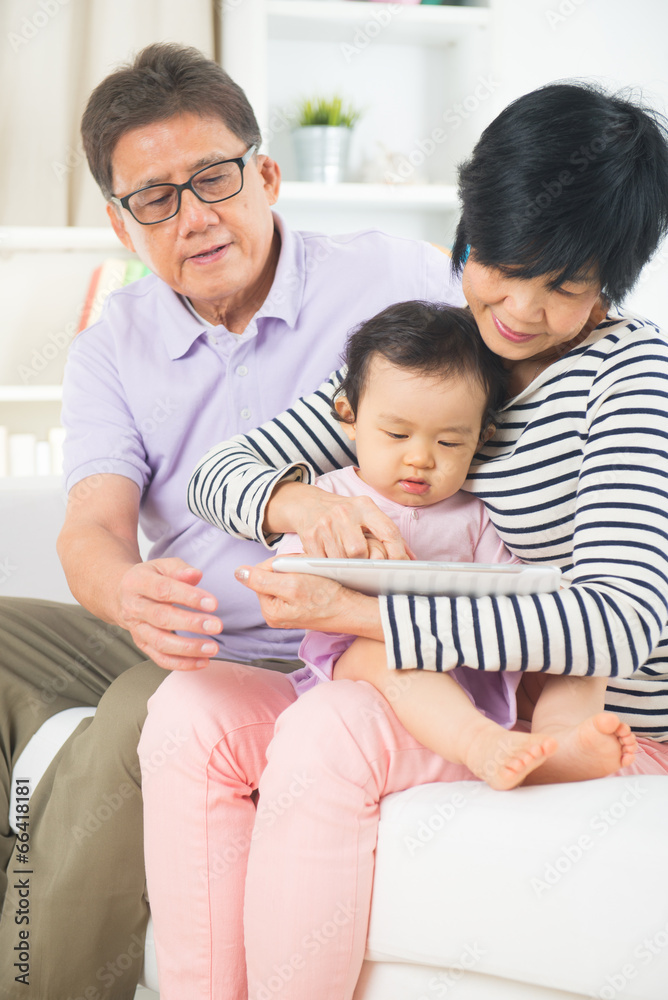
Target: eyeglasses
point(159, 202)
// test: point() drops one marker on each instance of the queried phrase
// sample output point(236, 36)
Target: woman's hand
point(148, 595)
point(333, 526)
point(298, 600)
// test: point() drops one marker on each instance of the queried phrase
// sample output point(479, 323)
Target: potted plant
point(322, 139)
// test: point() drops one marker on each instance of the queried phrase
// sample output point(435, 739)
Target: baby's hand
point(377, 550)
point(339, 527)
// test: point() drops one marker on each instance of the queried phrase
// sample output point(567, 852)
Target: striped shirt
point(576, 475)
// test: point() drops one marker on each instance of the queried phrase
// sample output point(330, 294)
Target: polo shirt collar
point(287, 291)
point(180, 327)
point(176, 325)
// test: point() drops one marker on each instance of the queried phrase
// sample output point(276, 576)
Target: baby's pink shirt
point(457, 529)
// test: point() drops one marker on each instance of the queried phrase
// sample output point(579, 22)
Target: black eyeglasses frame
point(241, 161)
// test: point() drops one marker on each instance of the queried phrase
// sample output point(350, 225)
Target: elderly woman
point(564, 200)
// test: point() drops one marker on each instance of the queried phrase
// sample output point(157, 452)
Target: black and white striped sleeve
point(233, 483)
point(610, 618)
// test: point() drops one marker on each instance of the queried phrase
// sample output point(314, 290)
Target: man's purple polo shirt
point(149, 389)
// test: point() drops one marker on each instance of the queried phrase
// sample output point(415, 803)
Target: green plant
point(323, 111)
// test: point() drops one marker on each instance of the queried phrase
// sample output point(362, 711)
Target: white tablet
point(402, 576)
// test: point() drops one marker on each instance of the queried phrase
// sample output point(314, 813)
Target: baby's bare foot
point(594, 748)
point(503, 759)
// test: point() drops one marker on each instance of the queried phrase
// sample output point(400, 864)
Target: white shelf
point(31, 393)
point(59, 238)
point(30, 483)
point(405, 197)
point(339, 20)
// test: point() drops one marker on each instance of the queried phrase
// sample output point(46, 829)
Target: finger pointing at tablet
point(338, 527)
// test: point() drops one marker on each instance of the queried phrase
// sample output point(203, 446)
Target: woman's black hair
point(568, 181)
point(424, 338)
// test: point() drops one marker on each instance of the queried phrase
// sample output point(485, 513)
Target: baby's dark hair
point(425, 338)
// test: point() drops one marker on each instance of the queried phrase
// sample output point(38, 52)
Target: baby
point(419, 400)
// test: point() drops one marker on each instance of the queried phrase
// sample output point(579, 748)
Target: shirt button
point(242, 370)
point(245, 413)
point(414, 514)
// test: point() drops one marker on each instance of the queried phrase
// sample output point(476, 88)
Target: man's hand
point(100, 555)
point(148, 599)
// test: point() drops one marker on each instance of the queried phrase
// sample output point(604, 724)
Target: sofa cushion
point(402, 981)
point(563, 886)
point(32, 512)
point(40, 751)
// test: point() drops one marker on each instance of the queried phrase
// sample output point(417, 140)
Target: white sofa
point(546, 893)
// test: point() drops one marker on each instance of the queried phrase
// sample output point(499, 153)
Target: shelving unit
point(396, 197)
point(31, 393)
point(44, 275)
point(335, 21)
point(42, 239)
point(406, 65)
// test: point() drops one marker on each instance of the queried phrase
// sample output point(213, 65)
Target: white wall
point(617, 43)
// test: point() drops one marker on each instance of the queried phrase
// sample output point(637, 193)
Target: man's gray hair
point(164, 80)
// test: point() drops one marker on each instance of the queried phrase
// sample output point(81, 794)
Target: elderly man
point(240, 315)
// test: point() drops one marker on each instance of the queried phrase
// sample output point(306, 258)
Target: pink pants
point(292, 879)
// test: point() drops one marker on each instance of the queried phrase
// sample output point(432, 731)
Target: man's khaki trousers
point(83, 886)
